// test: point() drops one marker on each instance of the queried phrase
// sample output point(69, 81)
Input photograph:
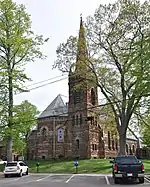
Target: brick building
point(73, 129)
point(3, 155)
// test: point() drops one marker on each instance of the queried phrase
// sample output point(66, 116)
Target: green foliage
point(18, 46)
point(18, 43)
point(24, 120)
point(25, 116)
point(145, 130)
point(118, 57)
point(107, 120)
point(85, 166)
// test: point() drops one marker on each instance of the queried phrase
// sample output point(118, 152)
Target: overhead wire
point(34, 88)
point(79, 110)
point(45, 80)
point(48, 83)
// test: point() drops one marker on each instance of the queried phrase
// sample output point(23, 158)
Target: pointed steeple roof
point(56, 108)
point(82, 53)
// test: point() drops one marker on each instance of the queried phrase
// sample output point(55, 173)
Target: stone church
point(72, 130)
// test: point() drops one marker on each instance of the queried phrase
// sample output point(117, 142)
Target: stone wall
point(82, 135)
point(44, 144)
point(93, 143)
point(2, 152)
point(3, 155)
point(111, 151)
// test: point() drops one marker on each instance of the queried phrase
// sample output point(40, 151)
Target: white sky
point(57, 19)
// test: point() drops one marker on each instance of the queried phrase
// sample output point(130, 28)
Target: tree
point(118, 45)
point(145, 131)
point(25, 117)
point(107, 119)
point(144, 125)
point(18, 46)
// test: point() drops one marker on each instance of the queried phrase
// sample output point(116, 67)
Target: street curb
point(1, 175)
point(78, 174)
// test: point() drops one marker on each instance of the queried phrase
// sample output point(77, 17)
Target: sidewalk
point(1, 174)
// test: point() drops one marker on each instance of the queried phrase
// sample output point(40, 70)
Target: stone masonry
point(73, 130)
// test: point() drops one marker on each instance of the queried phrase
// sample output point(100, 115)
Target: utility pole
point(54, 137)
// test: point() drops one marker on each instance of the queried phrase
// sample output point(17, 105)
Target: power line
point(66, 103)
point(45, 80)
point(79, 110)
point(28, 90)
point(92, 107)
point(42, 85)
point(48, 83)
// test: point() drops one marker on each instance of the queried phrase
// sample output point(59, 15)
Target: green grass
point(85, 166)
point(1, 167)
point(101, 166)
point(147, 166)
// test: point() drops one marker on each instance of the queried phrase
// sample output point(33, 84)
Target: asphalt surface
point(62, 180)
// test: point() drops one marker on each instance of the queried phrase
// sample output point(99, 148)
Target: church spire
point(82, 54)
point(81, 22)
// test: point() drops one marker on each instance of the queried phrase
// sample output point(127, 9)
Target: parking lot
point(62, 180)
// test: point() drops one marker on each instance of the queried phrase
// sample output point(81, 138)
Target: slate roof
point(56, 108)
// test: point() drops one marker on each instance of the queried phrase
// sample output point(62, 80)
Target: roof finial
point(81, 22)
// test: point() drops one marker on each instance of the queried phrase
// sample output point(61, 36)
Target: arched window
point(44, 132)
point(127, 149)
point(130, 150)
point(81, 119)
point(78, 143)
point(77, 119)
point(95, 147)
point(109, 141)
point(78, 95)
point(116, 144)
point(73, 120)
point(93, 98)
point(113, 144)
point(133, 148)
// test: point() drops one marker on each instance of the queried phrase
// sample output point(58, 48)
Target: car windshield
point(11, 164)
point(126, 160)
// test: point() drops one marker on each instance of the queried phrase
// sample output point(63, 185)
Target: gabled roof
point(56, 108)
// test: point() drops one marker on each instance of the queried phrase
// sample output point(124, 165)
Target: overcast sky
point(57, 19)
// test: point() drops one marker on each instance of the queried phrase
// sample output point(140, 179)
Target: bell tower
point(82, 106)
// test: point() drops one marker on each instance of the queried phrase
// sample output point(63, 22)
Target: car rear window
point(11, 164)
point(126, 160)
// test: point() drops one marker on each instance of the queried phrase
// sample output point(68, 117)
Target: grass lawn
point(85, 166)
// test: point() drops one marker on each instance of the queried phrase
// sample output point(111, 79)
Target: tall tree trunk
point(10, 116)
point(9, 148)
point(122, 143)
point(26, 147)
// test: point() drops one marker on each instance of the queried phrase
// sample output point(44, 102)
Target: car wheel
point(141, 180)
point(6, 176)
point(27, 172)
point(116, 181)
point(20, 174)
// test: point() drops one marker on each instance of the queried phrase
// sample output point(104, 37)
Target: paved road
point(48, 180)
